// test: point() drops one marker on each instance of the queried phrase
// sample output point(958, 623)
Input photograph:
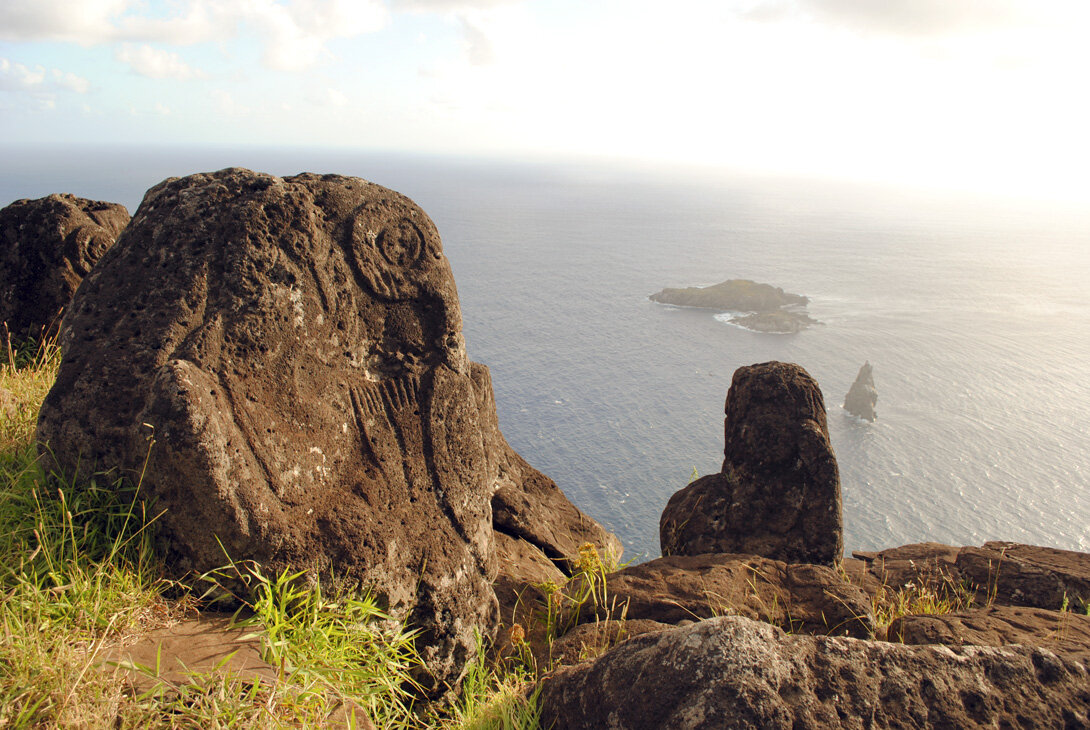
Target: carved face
point(397, 258)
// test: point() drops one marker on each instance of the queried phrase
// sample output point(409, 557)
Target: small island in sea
point(757, 307)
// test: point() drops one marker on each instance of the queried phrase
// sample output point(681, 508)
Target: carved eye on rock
point(401, 244)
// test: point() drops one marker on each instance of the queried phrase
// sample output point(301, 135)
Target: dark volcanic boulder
point(731, 672)
point(47, 246)
point(778, 495)
point(287, 356)
point(862, 396)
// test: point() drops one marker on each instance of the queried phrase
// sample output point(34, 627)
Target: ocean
point(973, 312)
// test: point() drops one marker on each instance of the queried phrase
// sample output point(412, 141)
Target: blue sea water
point(974, 314)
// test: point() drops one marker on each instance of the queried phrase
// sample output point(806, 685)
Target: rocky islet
point(754, 306)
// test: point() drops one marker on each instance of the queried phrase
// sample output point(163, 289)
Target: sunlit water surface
point(974, 315)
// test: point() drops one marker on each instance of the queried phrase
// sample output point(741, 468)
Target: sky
point(981, 95)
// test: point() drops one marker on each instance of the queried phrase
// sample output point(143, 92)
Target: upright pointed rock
point(778, 495)
point(862, 396)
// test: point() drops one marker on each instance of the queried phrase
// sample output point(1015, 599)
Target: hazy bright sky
point(985, 94)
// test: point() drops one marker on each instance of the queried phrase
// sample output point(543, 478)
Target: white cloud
point(902, 17)
point(294, 33)
point(434, 6)
point(479, 48)
point(227, 104)
point(70, 81)
point(37, 88)
point(328, 97)
point(155, 63)
point(17, 77)
point(85, 21)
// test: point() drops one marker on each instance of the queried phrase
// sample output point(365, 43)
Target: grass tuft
point(79, 577)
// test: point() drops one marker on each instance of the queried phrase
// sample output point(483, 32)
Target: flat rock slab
point(731, 672)
point(996, 573)
point(174, 656)
point(1063, 632)
point(47, 247)
point(798, 597)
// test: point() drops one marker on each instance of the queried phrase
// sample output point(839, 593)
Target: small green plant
point(492, 700)
point(586, 594)
point(925, 599)
point(343, 650)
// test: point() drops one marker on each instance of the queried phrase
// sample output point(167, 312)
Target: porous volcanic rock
point(1066, 633)
point(47, 247)
point(1027, 575)
point(528, 505)
point(778, 495)
point(996, 573)
point(797, 597)
point(287, 356)
point(862, 396)
point(731, 672)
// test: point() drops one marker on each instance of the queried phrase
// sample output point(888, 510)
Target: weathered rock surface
point(731, 672)
point(293, 348)
point(528, 505)
point(590, 640)
point(761, 307)
point(1063, 632)
point(997, 573)
point(778, 495)
point(797, 597)
point(1027, 575)
point(862, 396)
point(47, 247)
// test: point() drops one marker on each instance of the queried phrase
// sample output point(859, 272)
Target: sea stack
point(862, 396)
point(778, 495)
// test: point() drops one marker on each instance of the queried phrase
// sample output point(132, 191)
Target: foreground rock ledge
point(287, 355)
point(732, 672)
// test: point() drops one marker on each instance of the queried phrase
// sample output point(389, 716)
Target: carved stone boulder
point(778, 495)
point(47, 246)
point(282, 359)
